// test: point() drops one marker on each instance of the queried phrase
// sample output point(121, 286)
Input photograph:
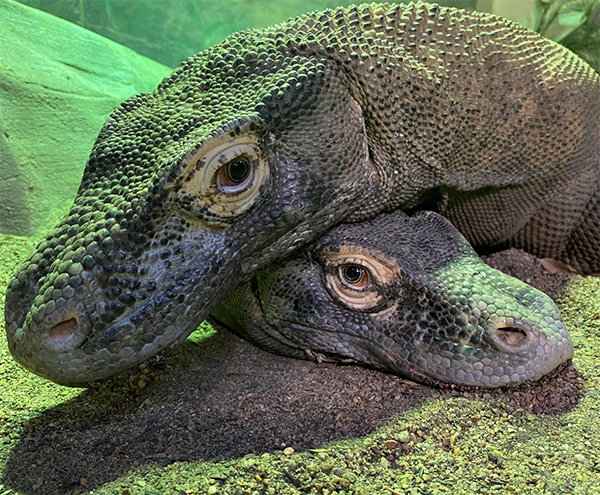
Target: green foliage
point(574, 24)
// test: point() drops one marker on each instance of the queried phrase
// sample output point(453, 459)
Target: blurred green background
point(169, 31)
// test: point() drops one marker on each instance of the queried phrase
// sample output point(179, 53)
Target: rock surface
point(58, 84)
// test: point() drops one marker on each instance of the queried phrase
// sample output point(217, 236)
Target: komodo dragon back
point(254, 147)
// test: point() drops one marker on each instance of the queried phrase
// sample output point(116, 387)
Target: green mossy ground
point(472, 446)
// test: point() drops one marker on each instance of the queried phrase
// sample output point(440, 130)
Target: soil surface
point(220, 398)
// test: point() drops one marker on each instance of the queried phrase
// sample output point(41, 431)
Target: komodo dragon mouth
point(424, 306)
point(257, 146)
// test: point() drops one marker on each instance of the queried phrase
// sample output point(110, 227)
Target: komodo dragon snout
point(407, 295)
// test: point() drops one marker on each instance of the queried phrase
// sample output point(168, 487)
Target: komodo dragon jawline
point(256, 146)
point(407, 295)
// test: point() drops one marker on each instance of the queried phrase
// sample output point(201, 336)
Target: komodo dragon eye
point(357, 277)
point(234, 174)
point(354, 275)
point(224, 176)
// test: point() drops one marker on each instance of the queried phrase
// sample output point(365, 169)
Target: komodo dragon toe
point(407, 295)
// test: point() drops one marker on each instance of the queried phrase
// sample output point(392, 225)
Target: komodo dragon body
point(256, 146)
point(407, 295)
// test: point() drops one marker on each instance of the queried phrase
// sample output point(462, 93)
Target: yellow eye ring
point(225, 176)
point(357, 278)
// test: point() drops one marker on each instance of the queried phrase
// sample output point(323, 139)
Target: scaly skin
point(407, 295)
point(256, 146)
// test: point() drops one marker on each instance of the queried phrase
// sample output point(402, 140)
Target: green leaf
point(571, 19)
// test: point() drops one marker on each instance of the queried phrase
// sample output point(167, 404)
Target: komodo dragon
point(256, 146)
point(407, 295)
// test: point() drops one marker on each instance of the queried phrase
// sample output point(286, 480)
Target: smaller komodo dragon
point(407, 295)
point(257, 146)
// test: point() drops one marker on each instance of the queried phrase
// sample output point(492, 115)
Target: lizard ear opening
point(224, 177)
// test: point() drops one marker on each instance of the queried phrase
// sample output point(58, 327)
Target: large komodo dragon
point(256, 146)
point(407, 295)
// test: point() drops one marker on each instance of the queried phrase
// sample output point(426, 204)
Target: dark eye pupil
point(238, 171)
point(353, 273)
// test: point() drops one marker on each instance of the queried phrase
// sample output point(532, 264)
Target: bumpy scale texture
point(351, 112)
point(442, 316)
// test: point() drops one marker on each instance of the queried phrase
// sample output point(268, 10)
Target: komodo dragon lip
point(402, 369)
point(139, 334)
point(495, 347)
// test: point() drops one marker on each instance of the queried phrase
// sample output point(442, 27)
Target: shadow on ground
point(220, 399)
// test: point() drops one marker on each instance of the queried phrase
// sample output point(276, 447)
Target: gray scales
point(407, 295)
point(259, 145)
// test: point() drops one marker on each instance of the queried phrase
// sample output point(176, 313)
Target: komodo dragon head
point(244, 153)
point(407, 295)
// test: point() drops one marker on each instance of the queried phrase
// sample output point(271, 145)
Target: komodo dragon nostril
point(512, 336)
point(62, 332)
